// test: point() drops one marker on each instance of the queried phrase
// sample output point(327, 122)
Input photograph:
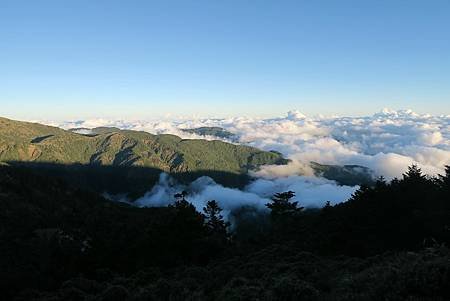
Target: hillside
point(345, 175)
point(23, 141)
point(125, 161)
point(212, 131)
point(386, 243)
point(131, 160)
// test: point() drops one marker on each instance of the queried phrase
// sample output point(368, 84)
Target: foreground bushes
point(388, 242)
point(277, 273)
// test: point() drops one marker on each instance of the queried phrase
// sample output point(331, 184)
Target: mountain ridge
point(126, 161)
point(24, 141)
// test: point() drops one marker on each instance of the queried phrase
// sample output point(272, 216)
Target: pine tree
point(414, 174)
point(281, 204)
point(186, 211)
point(213, 219)
point(186, 224)
point(181, 202)
point(444, 180)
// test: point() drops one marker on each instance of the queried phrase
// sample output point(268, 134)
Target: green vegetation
point(132, 152)
point(22, 141)
point(213, 131)
point(388, 242)
point(350, 175)
point(137, 158)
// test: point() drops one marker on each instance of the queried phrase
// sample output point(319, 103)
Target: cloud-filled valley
point(311, 191)
point(386, 142)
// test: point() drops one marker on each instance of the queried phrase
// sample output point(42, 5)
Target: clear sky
point(137, 59)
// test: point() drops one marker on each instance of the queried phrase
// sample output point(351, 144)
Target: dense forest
point(130, 162)
point(389, 241)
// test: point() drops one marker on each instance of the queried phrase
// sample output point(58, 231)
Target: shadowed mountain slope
point(23, 141)
point(133, 160)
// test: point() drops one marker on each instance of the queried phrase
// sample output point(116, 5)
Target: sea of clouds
point(386, 142)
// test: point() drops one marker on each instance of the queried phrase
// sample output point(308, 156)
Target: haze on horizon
point(146, 59)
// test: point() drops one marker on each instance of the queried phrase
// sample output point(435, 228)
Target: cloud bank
point(386, 142)
point(310, 191)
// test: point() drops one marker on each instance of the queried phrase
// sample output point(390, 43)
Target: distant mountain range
point(345, 175)
point(212, 131)
point(125, 161)
point(23, 141)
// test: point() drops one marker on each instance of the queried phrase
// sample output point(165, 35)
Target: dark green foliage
point(181, 203)
point(388, 242)
point(211, 131)
point(50, 232)
point(282, 273)
point(414, 175)
point(135, 158)
point(350, 175)
point(28, 142)
point(282, 206)
point(131, 180)
point(214, 220)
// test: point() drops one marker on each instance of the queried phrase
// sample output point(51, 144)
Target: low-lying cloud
point(386, 142)
point(310, 192)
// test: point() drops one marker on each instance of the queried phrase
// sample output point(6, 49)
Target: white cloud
point(387, 142)
point(311, 192)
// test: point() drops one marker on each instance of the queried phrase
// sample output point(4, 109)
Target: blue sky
point(142, 59)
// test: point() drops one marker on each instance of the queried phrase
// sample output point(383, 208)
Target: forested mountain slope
point(124, 161)
point(23, 141)
point(386, 243)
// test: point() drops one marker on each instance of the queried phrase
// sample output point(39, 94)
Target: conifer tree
point(414, 174)
point(213, 219)
point(282, 205)
point(181, 202)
